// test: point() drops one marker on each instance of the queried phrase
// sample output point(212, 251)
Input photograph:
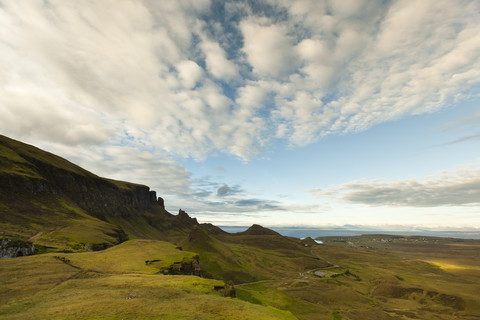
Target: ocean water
point(317, 232)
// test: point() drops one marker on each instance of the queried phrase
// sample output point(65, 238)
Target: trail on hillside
point(35, 236)
point(301, 276)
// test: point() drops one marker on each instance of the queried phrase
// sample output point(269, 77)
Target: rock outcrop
point(185, 218)
point(15, 248)
point(185, 267)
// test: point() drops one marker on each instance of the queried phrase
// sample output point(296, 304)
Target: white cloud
point(190, 73)
point(269, 48)
point(251, 97)
point(416, 63)
point(217, 63)
point(319, 69)
point(94, 73)
point(447, 188)
point(76, 73)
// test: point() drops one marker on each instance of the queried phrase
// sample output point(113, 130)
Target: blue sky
point(281, 113)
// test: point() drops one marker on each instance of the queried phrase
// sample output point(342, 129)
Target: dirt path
point(301, 276)
point(263, 281)
point(35, 236)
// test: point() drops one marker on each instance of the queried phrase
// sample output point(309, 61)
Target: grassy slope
point(154, 224)
point(383, 282)
point(53, 220)
point(367, 279)
point(56, 221)
point(14, 157)
point(98, 285)
point(247, 258)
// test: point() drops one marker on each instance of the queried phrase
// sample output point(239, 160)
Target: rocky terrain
point(13, 249)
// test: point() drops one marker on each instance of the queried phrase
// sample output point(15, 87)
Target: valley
point(108, 249)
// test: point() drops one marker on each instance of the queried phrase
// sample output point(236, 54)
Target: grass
point(17, 155)
point(36, 198)
point(379, 283)
point(453, 267)
point(115, 284)
point(136, 296)
point(367, 277)
point(240, 259)
point(131, 257)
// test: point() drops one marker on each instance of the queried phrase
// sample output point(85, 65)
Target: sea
point(300, 232)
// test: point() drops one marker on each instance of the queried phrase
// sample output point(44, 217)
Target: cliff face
point(72, 208)
point(46, 174)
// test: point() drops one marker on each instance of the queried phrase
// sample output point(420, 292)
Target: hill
point(59, 205)
point(245, 258)
point(109, 249)
point(90, 286)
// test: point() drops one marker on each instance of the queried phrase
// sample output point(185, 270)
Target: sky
point(280, 113)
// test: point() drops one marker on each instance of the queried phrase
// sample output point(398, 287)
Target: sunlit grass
point(130, 256)
point(116, 284)
point(449, 266)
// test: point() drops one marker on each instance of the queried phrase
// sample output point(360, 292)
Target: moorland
point(107, 249)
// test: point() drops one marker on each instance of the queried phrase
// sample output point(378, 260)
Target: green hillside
point(245, 258)
point(116, 284)
point(58, 205)
point(108, 249)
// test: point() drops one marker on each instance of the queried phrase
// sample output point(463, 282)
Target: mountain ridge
point(42, 193)
point(156, 258)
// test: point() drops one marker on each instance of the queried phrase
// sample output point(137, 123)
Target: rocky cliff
point(61, 205)
point(28, 170)
point(15, 248)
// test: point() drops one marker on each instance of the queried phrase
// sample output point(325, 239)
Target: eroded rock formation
point(185, 267)
point(15, 248)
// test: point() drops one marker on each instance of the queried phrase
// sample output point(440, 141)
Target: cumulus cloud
point(291, 70)
point(446, 188)
point(190, 73)
point(217, 63)
point(269, 48)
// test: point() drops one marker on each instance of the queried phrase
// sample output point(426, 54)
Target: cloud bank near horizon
point(459, 187)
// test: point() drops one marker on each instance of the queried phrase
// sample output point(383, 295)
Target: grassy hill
point(116, 284)
point(244, 257)
point(108, 250)
point(57, 204)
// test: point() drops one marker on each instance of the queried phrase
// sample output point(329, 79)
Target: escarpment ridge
point(42, 193)
point(26, 169)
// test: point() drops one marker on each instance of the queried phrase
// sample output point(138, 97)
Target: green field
point(394, 280)
point(116, 284)
point(401, 279)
